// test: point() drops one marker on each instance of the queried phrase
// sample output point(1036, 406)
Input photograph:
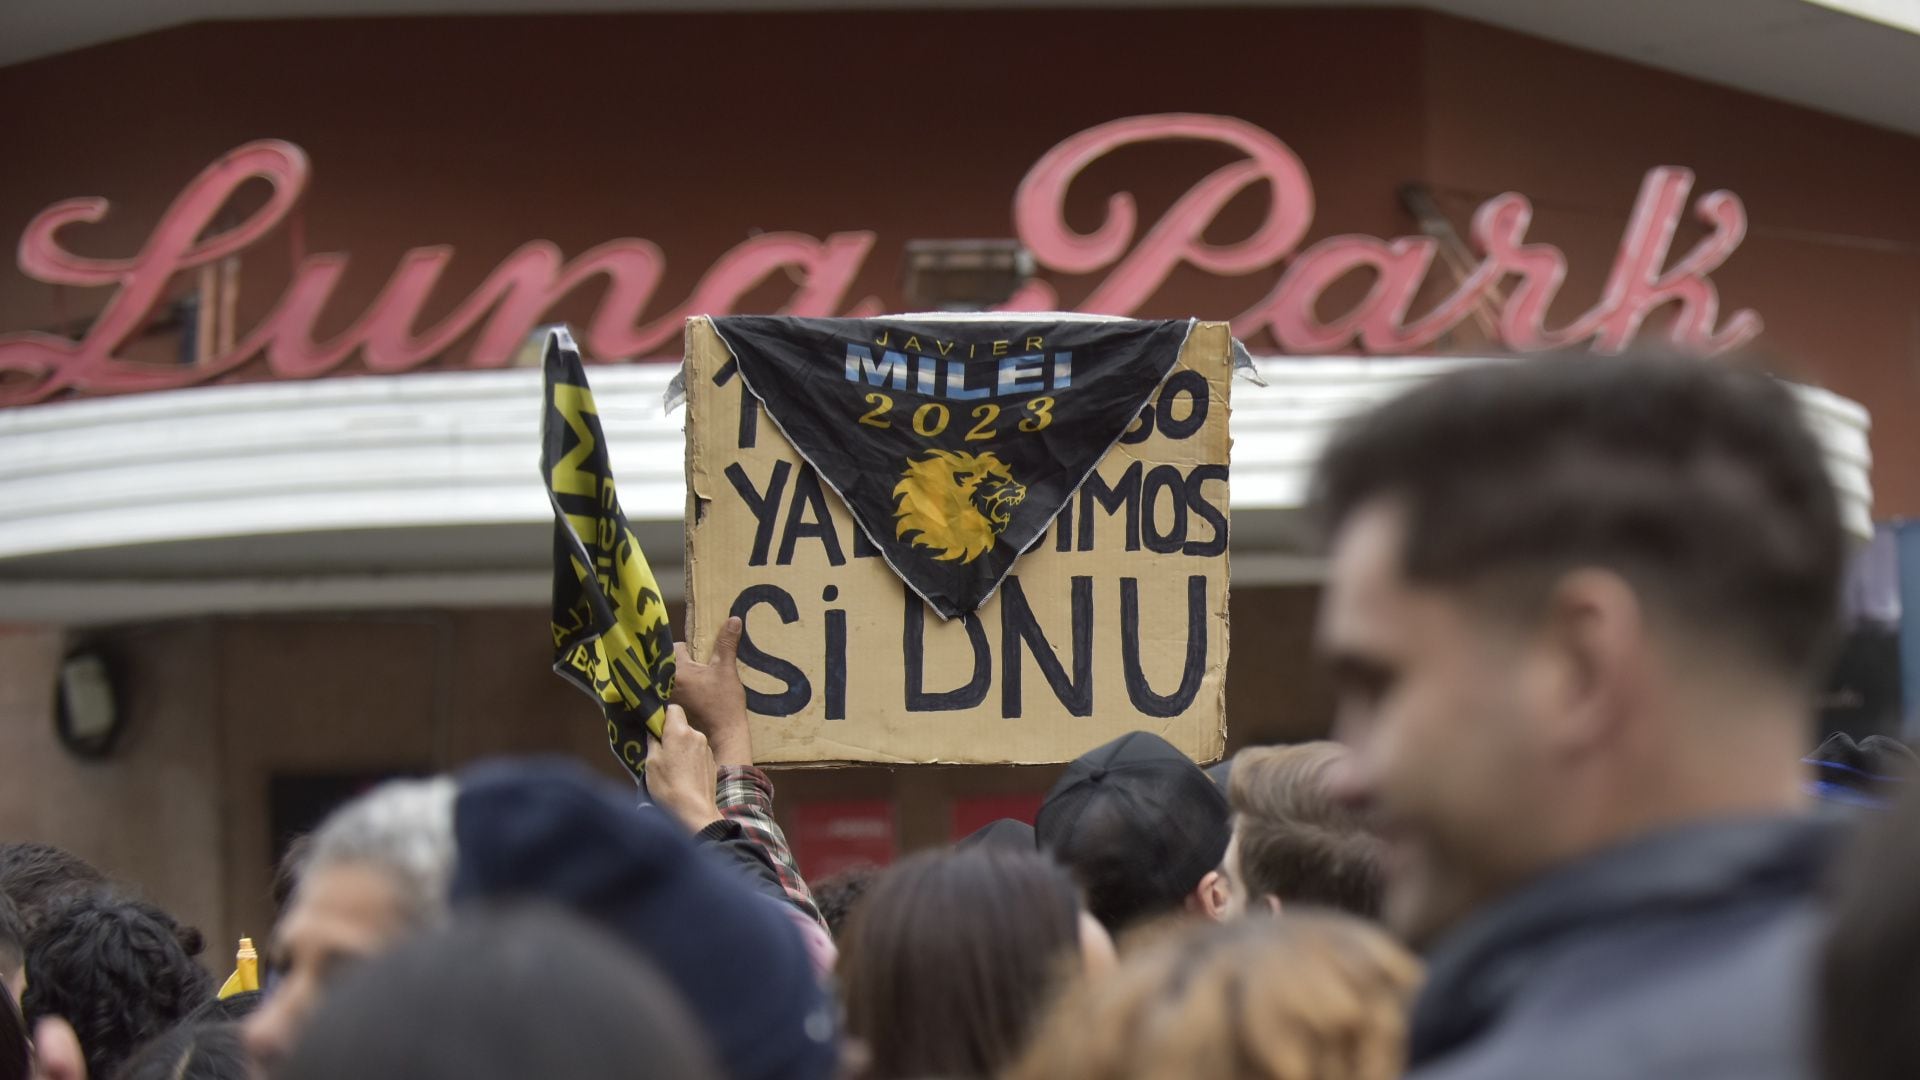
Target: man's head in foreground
point(1142, 828)
point(1293, 842)
point(1570, 601)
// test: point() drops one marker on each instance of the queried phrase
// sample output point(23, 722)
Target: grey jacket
point(1682, 956)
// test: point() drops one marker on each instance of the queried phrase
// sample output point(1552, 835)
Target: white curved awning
point(423, 490)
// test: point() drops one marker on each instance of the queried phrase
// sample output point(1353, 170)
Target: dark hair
point(39, 877)
point(190, 1052)
point(13, 936)
point(839, 895)
point(1697, 482)
point(1296, 842)
point(192, 941)
point(503, 996)
point(230, 1009)
point(115, 971)
point(16, 1054)
point(1870, 969)
point(952, 957)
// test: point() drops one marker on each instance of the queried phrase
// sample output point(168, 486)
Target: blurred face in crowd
point(342, 913)
point(1439, 702)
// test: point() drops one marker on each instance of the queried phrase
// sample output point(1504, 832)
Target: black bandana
point(954, 443)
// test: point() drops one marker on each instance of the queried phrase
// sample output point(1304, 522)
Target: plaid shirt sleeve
point(745, 795)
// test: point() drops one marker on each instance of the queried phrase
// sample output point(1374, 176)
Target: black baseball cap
point(1222, 772)
point(1138, 823)
point(1005, 833)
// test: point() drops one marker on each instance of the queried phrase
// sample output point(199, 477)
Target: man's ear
point(1209, 898)
point(1273, 904)
point(1597, 629)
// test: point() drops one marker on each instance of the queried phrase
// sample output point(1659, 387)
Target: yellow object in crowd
point(246, 971)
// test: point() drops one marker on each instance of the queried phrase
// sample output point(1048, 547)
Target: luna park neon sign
point(1517, 278)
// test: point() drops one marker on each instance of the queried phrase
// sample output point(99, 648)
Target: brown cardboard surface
point(844, 668)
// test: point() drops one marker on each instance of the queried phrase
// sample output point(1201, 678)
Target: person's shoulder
point(1723, 995)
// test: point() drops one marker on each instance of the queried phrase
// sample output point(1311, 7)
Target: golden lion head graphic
point(955, 503)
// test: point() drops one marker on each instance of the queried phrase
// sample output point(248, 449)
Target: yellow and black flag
point(954, 442)
point(610, 633)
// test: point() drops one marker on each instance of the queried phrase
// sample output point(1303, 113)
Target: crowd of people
point(1569, 827)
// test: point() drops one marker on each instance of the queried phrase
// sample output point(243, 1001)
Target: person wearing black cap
point(1142, 828)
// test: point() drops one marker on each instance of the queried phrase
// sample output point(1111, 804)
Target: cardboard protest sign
point(610, 633)
point(1114, 620)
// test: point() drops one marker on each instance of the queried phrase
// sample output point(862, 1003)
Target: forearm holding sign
point(683, 781)
point(716, 706)
point(746, 798)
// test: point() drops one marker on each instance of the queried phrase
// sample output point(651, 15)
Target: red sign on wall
point(1518, 277)
point(828, 837)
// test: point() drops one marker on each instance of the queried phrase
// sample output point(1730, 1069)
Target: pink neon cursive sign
point(516, 296)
